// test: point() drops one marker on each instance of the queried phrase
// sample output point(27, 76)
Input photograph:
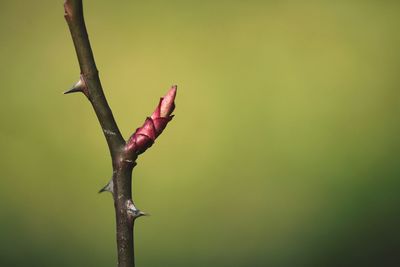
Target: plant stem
point(123, 164)
point(89, 74)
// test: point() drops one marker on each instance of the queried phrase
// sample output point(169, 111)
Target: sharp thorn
point(133, 211)
point(142, 213)
point(72, 90)
point(109, 187)
point(78, 87)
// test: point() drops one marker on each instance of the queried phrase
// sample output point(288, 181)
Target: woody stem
point(122, 165)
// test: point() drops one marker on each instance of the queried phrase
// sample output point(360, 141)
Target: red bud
point(167, 103)
point(148, 129)
point(161, 123)
point(153, 126)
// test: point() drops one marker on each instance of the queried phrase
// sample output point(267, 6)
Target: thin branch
point(89, 84)
point(89, 81)
point(123, 154)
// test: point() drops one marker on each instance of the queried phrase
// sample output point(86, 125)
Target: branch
point(89, 82)
point(123, 154)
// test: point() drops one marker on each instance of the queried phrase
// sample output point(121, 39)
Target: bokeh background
point(284, 151)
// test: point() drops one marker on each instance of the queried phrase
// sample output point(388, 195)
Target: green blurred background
point(283, 152)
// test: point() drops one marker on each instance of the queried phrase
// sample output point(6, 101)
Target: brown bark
point(122, 161)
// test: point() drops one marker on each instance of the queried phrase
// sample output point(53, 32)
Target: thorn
point(80, 86)
point(138, 213)
point(108, 188)
point(142, 213)
point(133, 211)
